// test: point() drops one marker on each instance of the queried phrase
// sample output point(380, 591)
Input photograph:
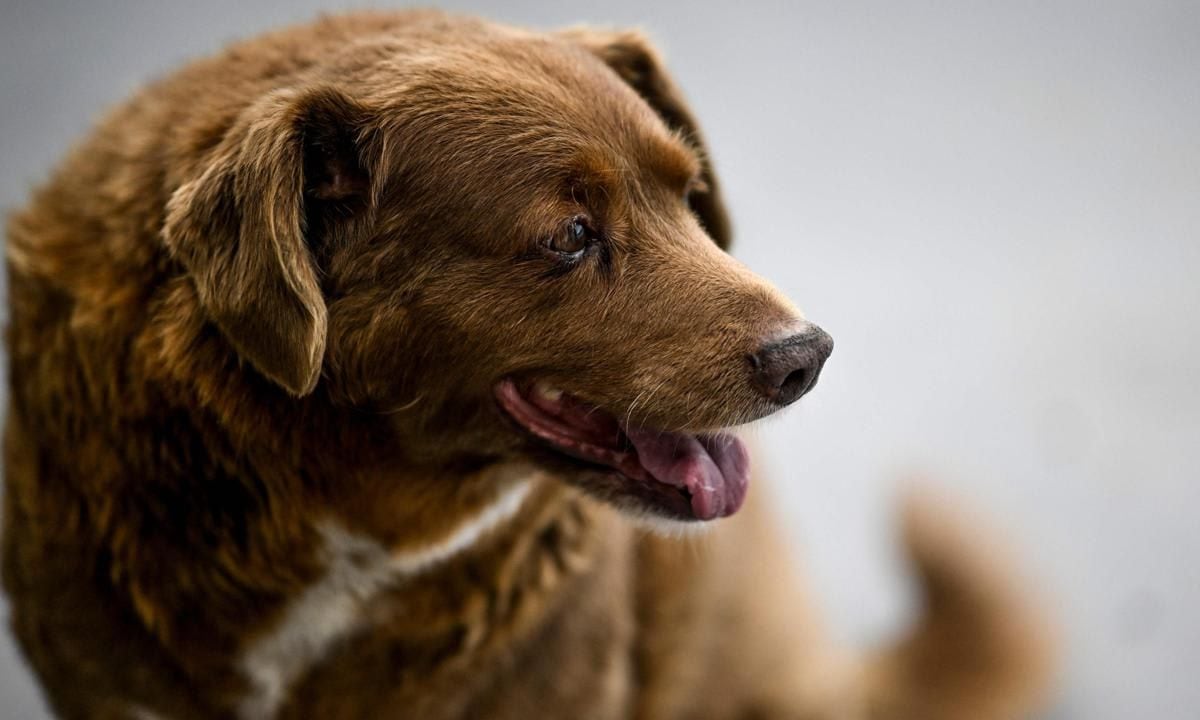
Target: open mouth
point(682, 475)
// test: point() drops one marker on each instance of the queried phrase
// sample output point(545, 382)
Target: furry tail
point(980, 651)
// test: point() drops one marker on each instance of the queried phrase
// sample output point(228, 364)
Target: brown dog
point(289, 438)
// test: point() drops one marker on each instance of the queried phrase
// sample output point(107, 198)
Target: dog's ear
point(239, 227)
point(635, 60)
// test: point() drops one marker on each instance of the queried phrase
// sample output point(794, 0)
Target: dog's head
point(512, 245)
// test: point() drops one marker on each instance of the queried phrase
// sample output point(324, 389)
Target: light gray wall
point(994, 208)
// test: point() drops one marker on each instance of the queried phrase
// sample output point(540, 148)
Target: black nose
point(785, 370)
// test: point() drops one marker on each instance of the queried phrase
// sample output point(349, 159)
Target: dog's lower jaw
point(666, 527)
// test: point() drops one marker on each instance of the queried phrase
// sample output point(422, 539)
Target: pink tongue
point(714, 469)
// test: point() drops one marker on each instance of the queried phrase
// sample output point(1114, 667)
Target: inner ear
point(333, 168)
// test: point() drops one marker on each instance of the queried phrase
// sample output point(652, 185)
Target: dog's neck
point(484, 576)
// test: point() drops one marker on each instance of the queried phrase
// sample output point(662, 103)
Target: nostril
point(796, 383)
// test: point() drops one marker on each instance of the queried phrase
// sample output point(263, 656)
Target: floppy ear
point(239, 228)
point(635, 60)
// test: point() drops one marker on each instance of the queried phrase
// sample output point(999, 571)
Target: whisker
point(632, 405)
point(407, 406)
point(648, 405)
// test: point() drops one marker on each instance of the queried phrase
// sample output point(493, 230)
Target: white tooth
point(548, 391)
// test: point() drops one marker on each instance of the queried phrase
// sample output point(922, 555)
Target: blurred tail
point(980, 651)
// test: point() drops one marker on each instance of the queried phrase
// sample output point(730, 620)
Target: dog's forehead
point(523, 112)
point(532, 89)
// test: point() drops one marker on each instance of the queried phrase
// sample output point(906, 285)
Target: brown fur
point(278, 286)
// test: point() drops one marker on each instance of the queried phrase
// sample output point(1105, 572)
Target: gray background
point(994, 208)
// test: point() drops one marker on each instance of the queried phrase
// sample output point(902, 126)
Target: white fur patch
point(137, 712)
point(357, 568)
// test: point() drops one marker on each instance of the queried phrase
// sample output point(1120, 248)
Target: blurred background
point(993, 207)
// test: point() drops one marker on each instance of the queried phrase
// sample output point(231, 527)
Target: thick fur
point(253, 462)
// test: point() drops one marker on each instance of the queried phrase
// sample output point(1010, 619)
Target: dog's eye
point(573, 239)
point(695, 186)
